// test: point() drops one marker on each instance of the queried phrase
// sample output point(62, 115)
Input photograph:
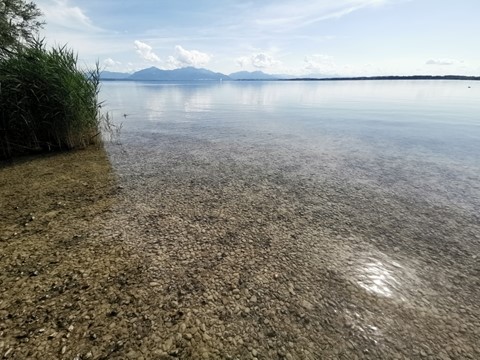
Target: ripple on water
point(374, 276)
point(382, 276)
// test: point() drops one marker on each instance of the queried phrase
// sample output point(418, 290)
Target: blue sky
point(327, 37)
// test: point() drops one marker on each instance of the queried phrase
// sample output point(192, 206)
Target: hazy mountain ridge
point(186, 73)
point(155, 74)
point(195, 74)
point(112, 75)
point(254, 75)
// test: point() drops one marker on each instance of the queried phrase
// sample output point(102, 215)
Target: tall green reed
point(47, 102)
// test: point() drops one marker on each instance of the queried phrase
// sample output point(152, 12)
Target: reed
point(47, 102)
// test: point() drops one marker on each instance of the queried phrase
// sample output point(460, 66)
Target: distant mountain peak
point(187, 73)
point(184, 74)
point(251, 75)
point(257, 75)
point(112, 75)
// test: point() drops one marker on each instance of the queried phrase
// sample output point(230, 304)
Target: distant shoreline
point(361, 78)
point(411, 77)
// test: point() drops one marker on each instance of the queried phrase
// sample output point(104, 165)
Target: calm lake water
point(366, 193)
point(424, 135)
point(437, 117)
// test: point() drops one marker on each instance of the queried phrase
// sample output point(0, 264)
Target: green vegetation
point(47, 102)
point(18, 24)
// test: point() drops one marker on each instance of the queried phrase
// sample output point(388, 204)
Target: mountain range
point(187, 74)
point(195, 74)
point(257, 75)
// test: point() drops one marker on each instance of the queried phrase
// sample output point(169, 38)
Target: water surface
point(379, 130)
point(351, 208)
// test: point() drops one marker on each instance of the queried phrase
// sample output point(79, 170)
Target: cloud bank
point(184, 58)
point(64, 17)
point(109, 62)
point(442, 62)
point(319, 63)
point(145, 51)
point(258, 61)
point(285, 15)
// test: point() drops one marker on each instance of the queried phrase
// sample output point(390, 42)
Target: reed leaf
point(47, 102)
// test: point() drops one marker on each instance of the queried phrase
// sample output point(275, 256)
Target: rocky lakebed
point(166, 246)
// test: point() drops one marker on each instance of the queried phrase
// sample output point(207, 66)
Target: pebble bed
point(200, 249)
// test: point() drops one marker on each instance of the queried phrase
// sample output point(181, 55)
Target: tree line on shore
point(47, 102)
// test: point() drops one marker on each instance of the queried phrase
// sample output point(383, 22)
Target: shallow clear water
point(370, 183)
point(380, 131)
point(439, 118)
point(415, 140)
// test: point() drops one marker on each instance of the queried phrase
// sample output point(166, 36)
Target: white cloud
point(62, 15)
point(259, 61)
point(326, 65)
point(110, 63)
point(441, 62)
point(71, 24)
point(145, 51)
point(318, 62)
point(287, 14)
point(183, 58)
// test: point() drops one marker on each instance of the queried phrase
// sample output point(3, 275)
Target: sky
point(296, 37)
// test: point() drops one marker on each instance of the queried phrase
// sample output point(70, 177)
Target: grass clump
point(47, 102)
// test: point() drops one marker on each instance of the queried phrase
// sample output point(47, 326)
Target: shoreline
point(361, 78)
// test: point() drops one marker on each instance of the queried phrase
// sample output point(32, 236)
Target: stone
point(307, 305)
point(167, 345)
point(133, 355)
point(7, 353)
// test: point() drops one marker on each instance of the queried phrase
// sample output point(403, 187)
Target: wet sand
point(216, 249)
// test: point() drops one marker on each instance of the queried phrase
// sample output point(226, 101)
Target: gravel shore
point(201, 249)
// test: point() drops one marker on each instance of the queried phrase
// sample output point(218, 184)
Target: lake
point(341, 217)
point(415, 134)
